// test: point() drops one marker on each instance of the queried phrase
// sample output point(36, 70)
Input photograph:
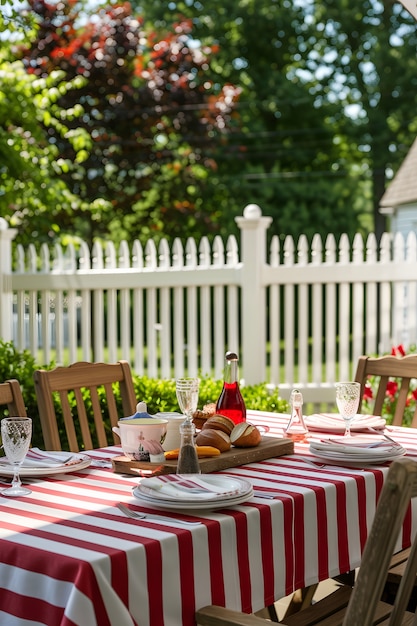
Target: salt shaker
point(188, 458)
point(296, 428)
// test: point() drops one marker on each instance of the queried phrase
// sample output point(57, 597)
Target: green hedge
point(159, 395)
point(21, 365)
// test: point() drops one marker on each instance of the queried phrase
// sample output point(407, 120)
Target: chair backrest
point(399, 487)
point(11, 396)
point(82, 389)
point(386, 368)
point(363, 608)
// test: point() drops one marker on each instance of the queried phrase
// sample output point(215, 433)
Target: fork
point(379, 432)
point(339, 468)
point(158, 518)
point(371, 445)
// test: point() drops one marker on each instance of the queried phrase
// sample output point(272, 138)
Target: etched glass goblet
point(347, 400)
point(16, 434)
point(187, 395)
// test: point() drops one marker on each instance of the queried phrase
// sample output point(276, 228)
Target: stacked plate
point(334, 423)
point(357, 450)
point(193, 491)
point(45, 463)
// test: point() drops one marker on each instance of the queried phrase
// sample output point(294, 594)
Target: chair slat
point(11, 396)
point(98, 418)
point(380, 395)
point(401, 401)
point(82, 416)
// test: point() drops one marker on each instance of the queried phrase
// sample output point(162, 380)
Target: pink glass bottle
point(230, 402)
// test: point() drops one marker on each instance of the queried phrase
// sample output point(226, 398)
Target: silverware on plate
point(268, 495)
point(381, 432)
point(155, 517)
point(333, 466)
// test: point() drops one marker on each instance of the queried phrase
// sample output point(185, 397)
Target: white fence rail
point(297, 315)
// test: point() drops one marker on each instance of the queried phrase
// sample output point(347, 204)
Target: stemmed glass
point(16, 433)
point(347, 400)
point(187, 396)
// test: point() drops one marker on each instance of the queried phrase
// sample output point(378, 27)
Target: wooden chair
point(12, 398)
point(91, 386)
point(360, 606)
point(386, 368)
point(404, 370)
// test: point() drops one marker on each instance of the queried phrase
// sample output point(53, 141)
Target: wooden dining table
point(70, 557)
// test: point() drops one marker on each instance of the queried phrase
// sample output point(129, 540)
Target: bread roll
point(219, 422)
point(201, 416)
point(245, 435)
point(216, 438)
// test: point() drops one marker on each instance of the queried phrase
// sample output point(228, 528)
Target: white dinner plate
point(355, 444)
point(192, 506)
point(78, 462)
point(236, 487)
point(333, 422)
point(362, 458)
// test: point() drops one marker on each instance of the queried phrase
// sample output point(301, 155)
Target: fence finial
point(252, 212)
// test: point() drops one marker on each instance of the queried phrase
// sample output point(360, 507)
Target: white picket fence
point(299, 315)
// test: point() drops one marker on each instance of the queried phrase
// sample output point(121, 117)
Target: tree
point(30, 171)
point(327, 86)
point(372, 69)
point(148, 108)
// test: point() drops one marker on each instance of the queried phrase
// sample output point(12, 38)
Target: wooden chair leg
point(300, 600)
point(269, 612)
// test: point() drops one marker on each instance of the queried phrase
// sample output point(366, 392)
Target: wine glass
point(16, 433)
point(187, 396)
point(347, 400)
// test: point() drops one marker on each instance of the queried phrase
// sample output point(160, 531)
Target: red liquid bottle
point(230, 402)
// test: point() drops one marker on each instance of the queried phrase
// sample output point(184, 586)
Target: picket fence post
point(253, 227)
point(6, 295)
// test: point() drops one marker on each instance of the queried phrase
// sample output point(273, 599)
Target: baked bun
point(245, 435)
point(216, 438)
point(200, 417)
point(219, 422)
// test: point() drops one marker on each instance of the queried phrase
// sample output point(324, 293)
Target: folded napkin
point(333, 421)
point(41, 458)
point(182, 487)
point(361, 447)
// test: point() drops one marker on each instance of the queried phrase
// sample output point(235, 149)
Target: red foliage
point(391, 390)
point(139, 85)
point(367, 392)
point(398, 350)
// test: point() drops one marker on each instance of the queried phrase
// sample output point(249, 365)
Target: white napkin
point(42, 458)
point(186, 487)
point(335, 421)
point(361, 447)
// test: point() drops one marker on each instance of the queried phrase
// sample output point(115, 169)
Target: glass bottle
point(230, 402)
point(188, 458)
point(296, 428)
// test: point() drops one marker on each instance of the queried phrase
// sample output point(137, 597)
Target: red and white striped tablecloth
point(69, 557)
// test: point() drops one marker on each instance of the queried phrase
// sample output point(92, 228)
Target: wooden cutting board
point(268, 448)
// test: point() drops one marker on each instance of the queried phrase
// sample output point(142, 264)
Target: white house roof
point(411, 6)
point(403, 188)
